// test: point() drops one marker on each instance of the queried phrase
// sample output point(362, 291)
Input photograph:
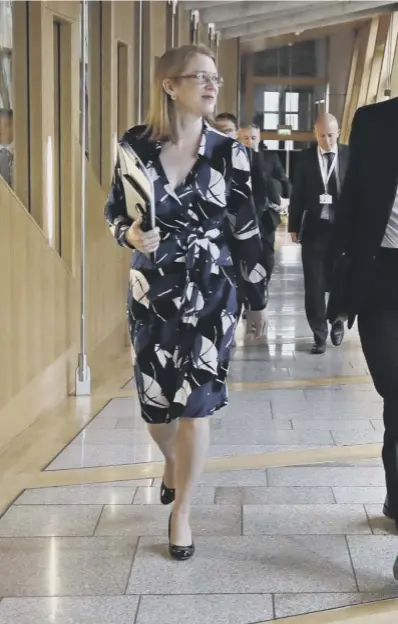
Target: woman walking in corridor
point(182, 296)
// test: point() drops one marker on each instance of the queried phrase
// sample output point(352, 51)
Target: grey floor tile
point(345, 438)
point(128, 436)
point(328, 412)
point(132, 483)
point(239, 565)
point(107, 424)
point(364, 495)
point(145, 520)
point(239, 478)
point(297, 438)
point(243, 433)
point(100, 455)
point(136, 424)
point(379, 523)
point(305, 520)
point(289, 605)
point(122, 406)
point(355, 463)
point(378, 425)
point(227, 450)
point(238, 609)
point(76, 610)
point(150, 496)
point(373, 558)
point(50, 520)
point(326, 476)
point(273, 496)
point(320, 424)
point(243, 402)
point(257, 373)
point(78, 495)
point(65, 566)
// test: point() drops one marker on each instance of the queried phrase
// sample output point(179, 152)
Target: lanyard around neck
point(326, 175)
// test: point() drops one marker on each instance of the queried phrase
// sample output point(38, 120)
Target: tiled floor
point(271, 543)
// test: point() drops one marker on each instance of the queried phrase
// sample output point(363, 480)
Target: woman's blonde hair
point(172, 64)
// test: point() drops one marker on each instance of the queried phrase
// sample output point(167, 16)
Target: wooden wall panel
point(184, 26)
point(40, 292)
point(368, 60)
point(388, 57)
point(355, 80)
point(228, 68)
point(377, 61)
point(33, 282)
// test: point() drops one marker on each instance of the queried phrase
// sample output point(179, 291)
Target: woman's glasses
point(204, 78)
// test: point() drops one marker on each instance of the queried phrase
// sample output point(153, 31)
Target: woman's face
point(197, 87)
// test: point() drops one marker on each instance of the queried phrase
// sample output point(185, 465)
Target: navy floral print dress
point(182, 305)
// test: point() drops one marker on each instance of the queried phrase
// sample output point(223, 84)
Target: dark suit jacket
point(264, 187)
point(265, 192)
point(307, 187)
point(368, 195)
point(273, 168)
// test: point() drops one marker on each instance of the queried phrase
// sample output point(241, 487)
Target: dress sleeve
point(115, 210)
point(244, 226)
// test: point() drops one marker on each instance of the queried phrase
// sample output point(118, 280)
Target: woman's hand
point(146, 242)
point(256, 322)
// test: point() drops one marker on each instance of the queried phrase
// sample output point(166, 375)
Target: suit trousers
point(378, 329)
point(317, 267)
point(269, 253)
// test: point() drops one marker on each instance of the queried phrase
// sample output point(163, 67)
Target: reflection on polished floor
point(272, 542)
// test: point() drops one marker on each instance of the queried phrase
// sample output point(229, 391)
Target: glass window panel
point(292, 102)
point(271, 121)
point(6, 104)
point(272, 145)
point(292, 120)
point(271, 101)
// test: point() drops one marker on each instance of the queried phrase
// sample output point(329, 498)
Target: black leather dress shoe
point(180, 553)
point(388, 513)
point(337, 333)
point(318, 348)
point(167, 495)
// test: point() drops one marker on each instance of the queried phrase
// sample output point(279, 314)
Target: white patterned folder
point(138, 187)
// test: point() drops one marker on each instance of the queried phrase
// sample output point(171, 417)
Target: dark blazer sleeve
point(264, 186)
point(348, 207)
point(278, 173)
point(243, 222)
point(297, 205)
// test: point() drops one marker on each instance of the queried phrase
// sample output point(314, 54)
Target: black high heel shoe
point(180, 553)
point(167, 495)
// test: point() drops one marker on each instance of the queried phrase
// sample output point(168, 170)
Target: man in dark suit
point(250, 135)
point(317, 183)
point(268, 174)
point(265, 191)
point(367, 233)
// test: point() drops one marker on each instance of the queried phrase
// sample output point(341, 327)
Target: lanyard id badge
point(326, 200)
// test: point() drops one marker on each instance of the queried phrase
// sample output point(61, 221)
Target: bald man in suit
point(317, 183)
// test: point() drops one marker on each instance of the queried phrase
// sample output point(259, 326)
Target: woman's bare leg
point(190, 451)
point(165, 437)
